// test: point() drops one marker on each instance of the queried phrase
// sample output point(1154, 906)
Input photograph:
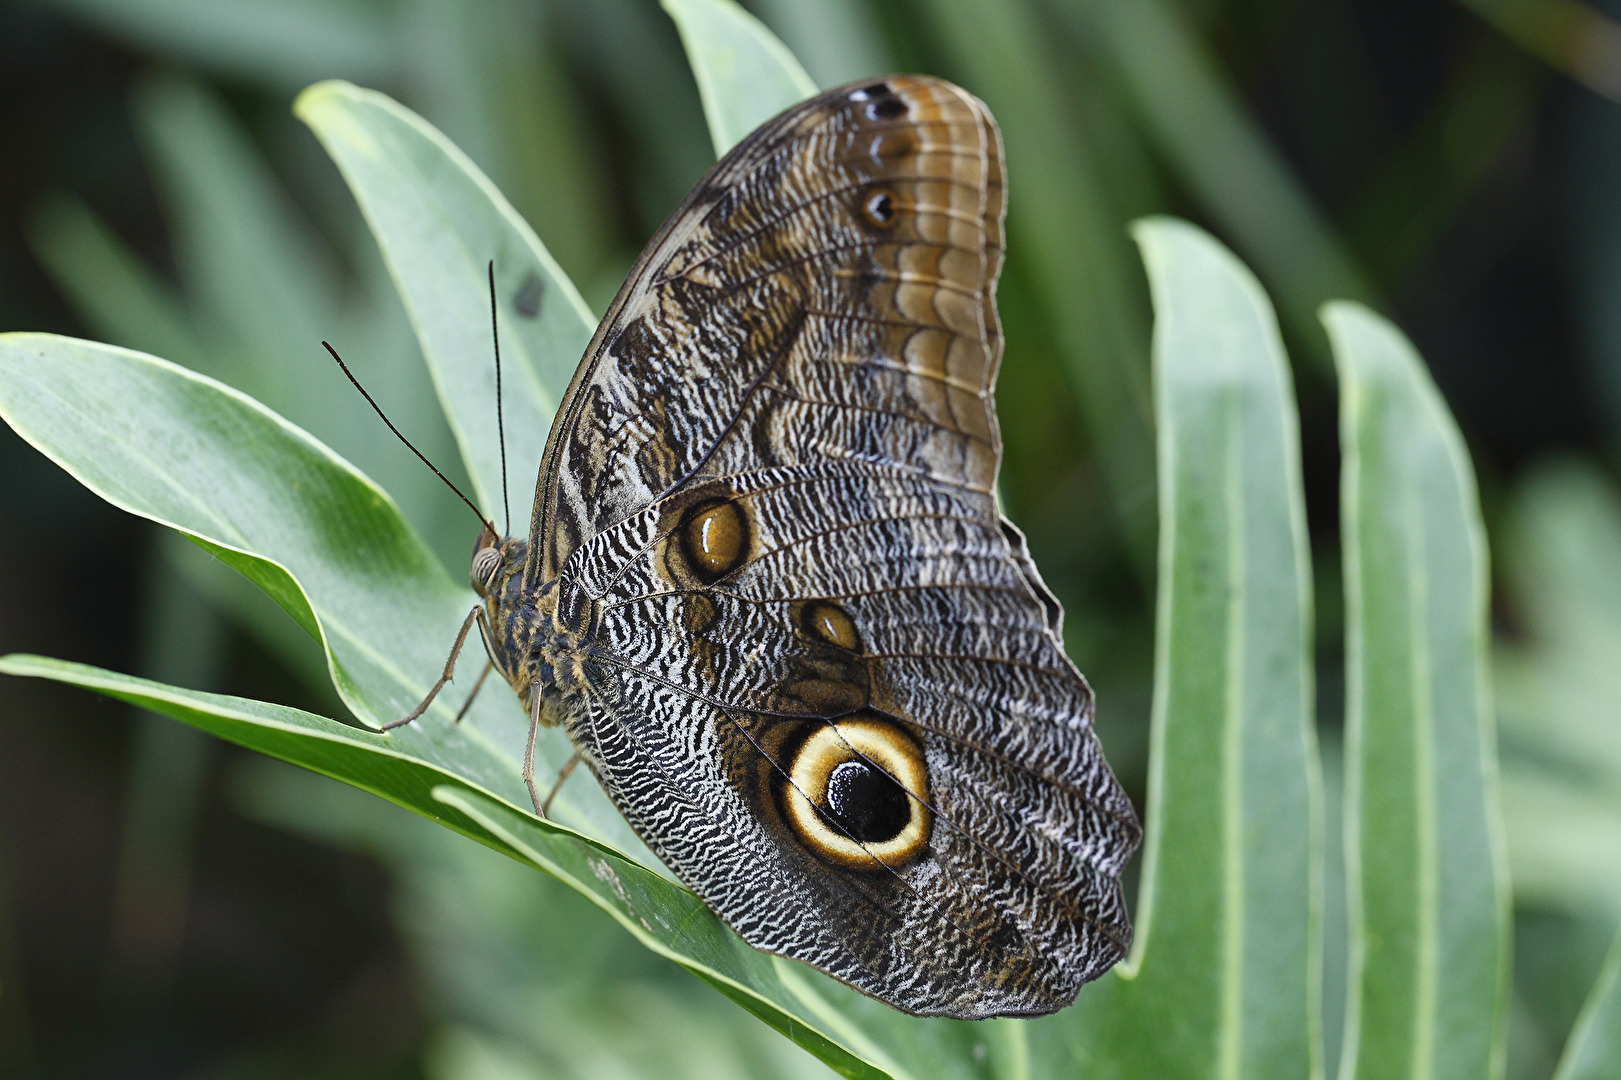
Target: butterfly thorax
point(536, 637)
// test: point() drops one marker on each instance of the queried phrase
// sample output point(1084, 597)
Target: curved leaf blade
point(369, 760)
point(439, 221)
point(664, 916)
point(745, 75)
point(1425, 863)
point(1223, 977)
point(304, 525)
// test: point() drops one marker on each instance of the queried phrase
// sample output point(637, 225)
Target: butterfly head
point(494, 559)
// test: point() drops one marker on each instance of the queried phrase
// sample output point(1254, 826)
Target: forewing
point(826, 292)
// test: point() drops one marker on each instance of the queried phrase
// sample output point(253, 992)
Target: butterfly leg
point(537, 703)
point(489, 666)
point(450, 670)
point(536, 700)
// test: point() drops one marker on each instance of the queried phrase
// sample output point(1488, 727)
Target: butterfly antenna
point(403, 439)
point(500, 427)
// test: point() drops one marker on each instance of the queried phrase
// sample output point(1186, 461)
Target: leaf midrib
point(1230, 1041)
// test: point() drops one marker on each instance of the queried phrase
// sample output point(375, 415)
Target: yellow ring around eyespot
point(883, 744)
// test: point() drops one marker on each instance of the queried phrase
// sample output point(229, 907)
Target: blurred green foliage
point(587, 117)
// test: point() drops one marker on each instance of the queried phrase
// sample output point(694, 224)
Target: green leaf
point(1224, 973)
point(371, 761)
point(1556, 688)
point(1594, 1049)
point(439, 222)
point(1425, 864)
point(745, 75)
point(664, 916)
point(320, 538)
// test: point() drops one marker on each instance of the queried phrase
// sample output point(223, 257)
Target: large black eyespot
point(866, 803)
point(857, 794)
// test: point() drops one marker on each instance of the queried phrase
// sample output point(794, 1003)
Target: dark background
point(157, 920)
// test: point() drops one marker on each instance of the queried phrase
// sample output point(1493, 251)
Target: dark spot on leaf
point(529, 295)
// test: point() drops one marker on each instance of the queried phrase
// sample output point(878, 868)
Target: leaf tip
point(18, 663)
point(1342, 313)
point(311, 98)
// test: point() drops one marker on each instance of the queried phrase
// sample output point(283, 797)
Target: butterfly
point(768, 593)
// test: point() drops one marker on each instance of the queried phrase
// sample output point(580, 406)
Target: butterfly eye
point(485, 563)
point(857, 794)
point(879, 208)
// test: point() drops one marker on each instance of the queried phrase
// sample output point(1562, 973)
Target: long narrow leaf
point(1425, 865)
point(1223, 977)
point(439, 222)
point(663, 915)
point(320, 538)
point(745, 75)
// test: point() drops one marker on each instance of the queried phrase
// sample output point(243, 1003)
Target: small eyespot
point(485, 563)
point(867, 93)
point(879, 207)
point(830, 623)
point(716, 536)
point(857, 794)
point(887, 108)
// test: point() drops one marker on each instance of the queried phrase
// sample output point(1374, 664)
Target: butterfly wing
point(824, 679)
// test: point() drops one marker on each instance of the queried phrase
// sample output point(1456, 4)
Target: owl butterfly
point(768, 594)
